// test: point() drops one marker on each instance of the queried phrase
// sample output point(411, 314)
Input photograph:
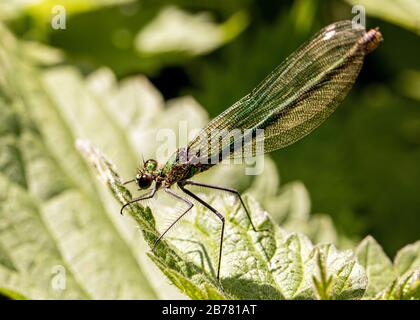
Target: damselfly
point(291, 102)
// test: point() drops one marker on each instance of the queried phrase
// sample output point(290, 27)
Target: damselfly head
point(370, 40)
point(144, 180)
point(147, 174)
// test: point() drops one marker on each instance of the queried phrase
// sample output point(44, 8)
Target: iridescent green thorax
point(150, 166)
point(179, 168)
point(169, 164)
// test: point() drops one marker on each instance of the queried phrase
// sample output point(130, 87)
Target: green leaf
point(32, 248)
point(41, 10)
point(406, 287)
point(339, 274)
point(10, 294)
point(175, 30)
point(294, 203)
point(56, 237)
point(5, 259)
point(387, 281)
point(378, 266)
point(321, 229)
point(290, 206)
point(400, 12)
point(408, 83)
point(408, 259)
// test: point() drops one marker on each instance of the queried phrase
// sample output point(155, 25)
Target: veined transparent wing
point(294, 99)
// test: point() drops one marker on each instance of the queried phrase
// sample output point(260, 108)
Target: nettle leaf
point(406, 287)
point(408, 259)
point(56, 238)
point(269, 264)
point(41, 10)
point(407, 267)
point(175, 30)
point(340, 276)
point(11, 294)
point(378, 266)
point(290, 206)
point(387, 280)
point(400, 12)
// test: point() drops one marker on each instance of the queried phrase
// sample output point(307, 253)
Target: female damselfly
point(291, 102)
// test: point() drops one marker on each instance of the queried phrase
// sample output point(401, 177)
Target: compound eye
point(150, 165)
point(145, 181)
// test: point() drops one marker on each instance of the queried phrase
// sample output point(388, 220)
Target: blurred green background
point(362, 166)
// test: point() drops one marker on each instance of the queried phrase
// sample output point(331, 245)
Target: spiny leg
point(146, 196)
point(190, 205)
point(222, 219)
point(236, 192)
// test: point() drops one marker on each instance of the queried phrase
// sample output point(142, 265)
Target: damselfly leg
point(218, 214)
point(190, 205)
point(233, 191)
point(145, 196)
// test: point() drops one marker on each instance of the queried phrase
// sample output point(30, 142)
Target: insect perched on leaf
point(291, 102)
